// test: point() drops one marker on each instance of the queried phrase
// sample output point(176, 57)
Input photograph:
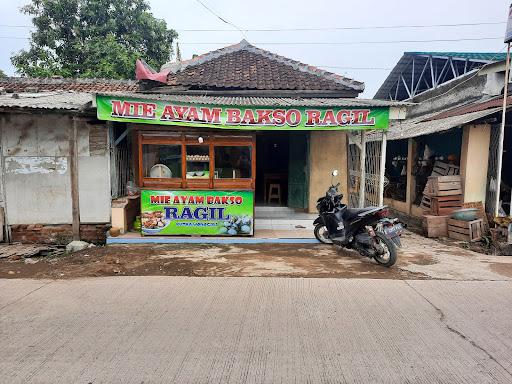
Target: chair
point(274, 192)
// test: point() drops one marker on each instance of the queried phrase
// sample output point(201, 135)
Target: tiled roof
point(244, 66)
point(23, 84)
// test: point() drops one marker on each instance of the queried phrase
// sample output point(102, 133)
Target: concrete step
point(272, 208)
point(283, 224)
point(266, 212)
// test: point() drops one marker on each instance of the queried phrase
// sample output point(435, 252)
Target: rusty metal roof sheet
point(263, 101)
point(32, 85)
point(473, 107)
point(46, 100)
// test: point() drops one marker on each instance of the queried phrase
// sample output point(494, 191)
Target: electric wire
point(321, 42)
point(312, 29)
point(309, 29)
point(220, 18)
point(348, 42)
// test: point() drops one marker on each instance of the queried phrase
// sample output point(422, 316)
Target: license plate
point(393, 231)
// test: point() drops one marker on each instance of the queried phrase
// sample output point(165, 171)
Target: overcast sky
point(272, 14)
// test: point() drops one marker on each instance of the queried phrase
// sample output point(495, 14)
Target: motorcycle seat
point(352, 213)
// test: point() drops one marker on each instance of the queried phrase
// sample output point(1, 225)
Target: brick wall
point(57, 234)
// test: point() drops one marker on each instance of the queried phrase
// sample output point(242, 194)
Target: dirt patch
point(420, 258)
point(207, 260)
point(502, 269)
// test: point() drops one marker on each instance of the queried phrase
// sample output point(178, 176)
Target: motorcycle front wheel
point(388, 258)
point(322, 235)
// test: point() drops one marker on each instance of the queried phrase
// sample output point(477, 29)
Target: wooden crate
point(426, 203)
point(445, 169)
point(465, 230)
point(481, 213)
point(429, 187)
point(435, 226)
point(444, 205)
point(445, 185)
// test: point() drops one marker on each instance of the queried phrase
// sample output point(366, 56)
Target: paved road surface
point(255, 330)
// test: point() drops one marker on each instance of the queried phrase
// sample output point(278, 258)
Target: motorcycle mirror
point(335, 172)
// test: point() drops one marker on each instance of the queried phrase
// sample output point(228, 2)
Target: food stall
point(196, 184)
point(196, 162)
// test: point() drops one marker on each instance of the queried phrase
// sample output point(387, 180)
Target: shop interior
point(443, 147)
point(272, 162)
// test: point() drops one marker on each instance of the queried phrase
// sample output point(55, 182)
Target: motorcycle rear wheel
point(321, 234)
point(390, 255)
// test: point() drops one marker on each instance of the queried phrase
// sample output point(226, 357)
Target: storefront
point(202, 166)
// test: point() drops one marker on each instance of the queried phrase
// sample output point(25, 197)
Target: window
point(198, 162)
point(161, 161)
point(189, 161)
point(233, 162)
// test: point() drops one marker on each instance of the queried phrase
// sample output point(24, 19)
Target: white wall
point(37, 181)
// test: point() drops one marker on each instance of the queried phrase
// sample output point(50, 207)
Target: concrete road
point(255, 330)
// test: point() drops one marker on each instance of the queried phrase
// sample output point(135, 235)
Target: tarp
point(144, 72)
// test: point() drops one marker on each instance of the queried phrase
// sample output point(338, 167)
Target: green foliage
point(93, 38)
point(2, 74)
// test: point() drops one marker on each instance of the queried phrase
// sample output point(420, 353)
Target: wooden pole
point(382, 169)
point(73, 170)
point(502, 133)
point(362, 166)
point(412, 158)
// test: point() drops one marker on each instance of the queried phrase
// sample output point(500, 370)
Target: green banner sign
point(212, 213)
point(118, 108)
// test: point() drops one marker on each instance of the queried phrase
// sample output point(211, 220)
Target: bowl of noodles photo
point(153, 222)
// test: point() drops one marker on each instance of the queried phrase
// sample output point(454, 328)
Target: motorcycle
point(366, 230)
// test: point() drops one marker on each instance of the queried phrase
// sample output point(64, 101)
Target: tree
point(2, 74)
point(93, 38)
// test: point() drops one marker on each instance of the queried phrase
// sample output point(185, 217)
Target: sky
point(369, 62)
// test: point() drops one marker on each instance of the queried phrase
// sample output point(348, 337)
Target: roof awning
point(419, 127)
point(246, 113)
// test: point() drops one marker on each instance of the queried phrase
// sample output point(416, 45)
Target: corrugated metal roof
point(46, 100)
point(264, 101)
point(423, 126)
point(31, 84)
point(405, 70)
point(473, 107)
point(477, 56)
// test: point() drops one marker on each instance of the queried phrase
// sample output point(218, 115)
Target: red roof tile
point(244, 66)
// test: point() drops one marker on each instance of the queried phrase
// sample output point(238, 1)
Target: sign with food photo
point(208, 213)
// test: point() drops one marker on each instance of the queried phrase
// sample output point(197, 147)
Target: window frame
point(190, 138)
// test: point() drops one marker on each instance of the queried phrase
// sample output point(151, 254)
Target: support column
point(362, 166)
point(410, 193)
point(474, 161)
point(502, 134)
point(73, 170)
point(382, 168)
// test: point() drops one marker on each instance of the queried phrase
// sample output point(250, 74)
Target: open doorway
point(272, 168)
point(282, 169)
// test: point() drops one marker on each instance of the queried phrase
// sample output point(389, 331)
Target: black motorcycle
point(367, 230)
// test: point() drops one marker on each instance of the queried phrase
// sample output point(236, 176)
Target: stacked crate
point(442, 195)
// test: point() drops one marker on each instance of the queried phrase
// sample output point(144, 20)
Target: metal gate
point(492, 170)
point(371, 170)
